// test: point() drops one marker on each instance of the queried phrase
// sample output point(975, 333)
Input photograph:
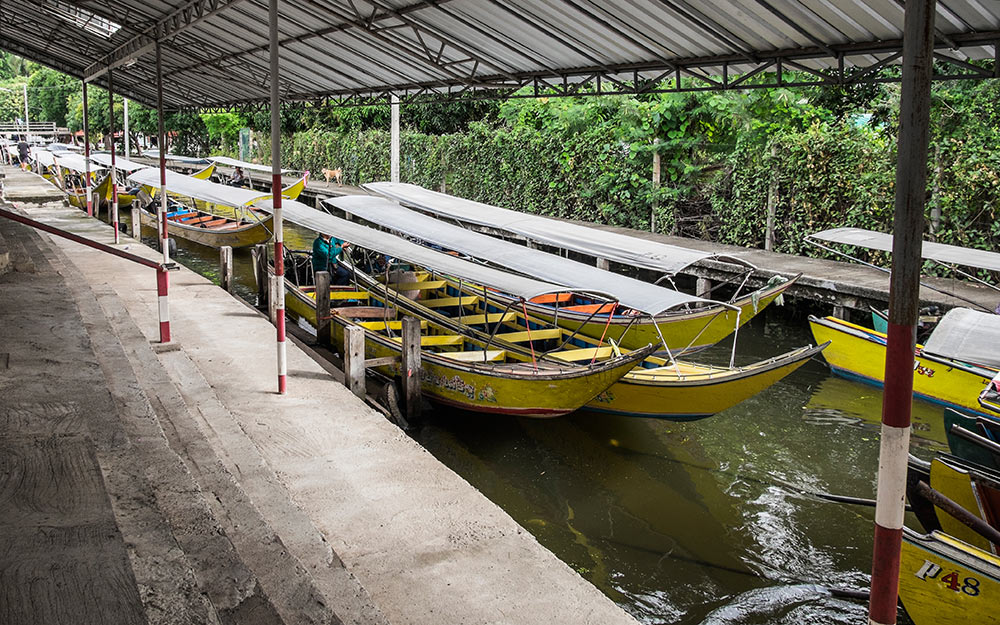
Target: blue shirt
point(324, 257)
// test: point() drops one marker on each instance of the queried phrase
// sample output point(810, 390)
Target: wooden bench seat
point(425, 285)
point(534, 335)
point(477, 320)
point(585, 353)
point(444, 302)
point(437, 340)
point(378, 326)
point(489, 355)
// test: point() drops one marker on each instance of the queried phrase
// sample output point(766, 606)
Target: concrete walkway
point(199, 494)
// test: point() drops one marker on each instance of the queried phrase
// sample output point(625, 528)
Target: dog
point(334, 174)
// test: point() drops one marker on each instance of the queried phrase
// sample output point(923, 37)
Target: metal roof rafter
point(190, 14)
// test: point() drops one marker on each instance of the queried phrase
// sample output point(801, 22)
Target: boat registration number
point(930, 571)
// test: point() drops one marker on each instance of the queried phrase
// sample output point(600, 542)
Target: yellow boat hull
point(246, 235)
point(661, 393)
point(511, 389)
point(684, 332)
point(859, 353)
point(943, 581)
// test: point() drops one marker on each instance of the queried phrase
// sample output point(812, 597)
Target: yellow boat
point(944, 581)
point(464, 372)
point(686, 331)
point(657, 388)
point(859, 353)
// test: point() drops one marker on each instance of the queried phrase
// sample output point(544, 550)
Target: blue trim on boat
point(857, 377)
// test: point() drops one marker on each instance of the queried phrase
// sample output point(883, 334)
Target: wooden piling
point(772, 204)
point(354, 359)
point(703, 287)
point(226, 268)
point(602, 263)
point(411, 367)
point(323, 313)
point(136, 224)
point(259, 254)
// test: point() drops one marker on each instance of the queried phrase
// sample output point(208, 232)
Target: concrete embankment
point(166, 484)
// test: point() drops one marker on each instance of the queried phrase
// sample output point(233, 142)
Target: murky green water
point(711, 521)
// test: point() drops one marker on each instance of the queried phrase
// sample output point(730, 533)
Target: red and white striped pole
point(86, 152)
point(904, 303)
point(113, 174)
point(279, 252)
point(162, 283)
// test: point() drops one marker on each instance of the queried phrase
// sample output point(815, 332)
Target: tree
point(48, 91)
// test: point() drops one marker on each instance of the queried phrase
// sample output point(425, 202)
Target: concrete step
point(279, 580)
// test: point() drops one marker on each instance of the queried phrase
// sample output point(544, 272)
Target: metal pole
point(279, 254)
point(394, 138)
point(904, 302)
point(128, 140)
point(86, 153)
point(27, 126)
point(161, 217)
point(113, 173)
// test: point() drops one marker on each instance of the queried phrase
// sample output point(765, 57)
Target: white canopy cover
point(232, 162)
point(76, 162)
point(318, 221)
point(947, 254)
point(198, 189)
point(636, 294)
point(620, 248)
point(967, 335)
point(121, 162)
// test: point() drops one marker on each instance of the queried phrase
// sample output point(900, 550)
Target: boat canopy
point(75, 162)
point(232, 162)
point(121, 162)
point(190, 160)
point(198, 189)
point(383, 242)
point(968, 336)
point(620, 248)
point(44, 157)
point(635, 294)
point(939, 252)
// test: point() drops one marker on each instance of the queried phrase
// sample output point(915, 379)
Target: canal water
point(714, 521)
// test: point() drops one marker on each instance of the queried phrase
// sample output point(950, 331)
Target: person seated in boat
point(238, 178)
point(326, 252)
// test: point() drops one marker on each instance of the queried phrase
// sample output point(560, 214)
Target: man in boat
point(238, 178)
point(326, 251)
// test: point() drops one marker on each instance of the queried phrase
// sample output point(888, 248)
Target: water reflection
point(712, 521)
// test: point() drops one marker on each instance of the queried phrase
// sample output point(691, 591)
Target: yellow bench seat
point(432, 340)
point(443, 302)
point(489, 355)
point(378, 326)
point(585, 353)
point(534, 335)
point(425, 285)
point(477, 320)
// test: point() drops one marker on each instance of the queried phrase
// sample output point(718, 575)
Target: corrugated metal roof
point(215, 52)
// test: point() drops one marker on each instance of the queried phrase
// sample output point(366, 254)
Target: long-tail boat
point(697, 325)
point(645, 313)
point(658, 387)
point(457, 369)
point(70, 171)
point(244, 226)
point(951, 369)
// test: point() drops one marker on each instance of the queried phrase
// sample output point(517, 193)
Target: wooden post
point(936, 194)
point(259, 253)
point(272, 298)
point(226, 268)
point(136, 224)
point(602, 263)
point(840, 312)
point(411, 367)
point(772, 202)
point(656, 184)
point(354, 357)
point(703, 287)
point(323, 313)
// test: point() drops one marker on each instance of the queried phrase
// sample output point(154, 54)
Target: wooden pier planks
point(62, 558)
